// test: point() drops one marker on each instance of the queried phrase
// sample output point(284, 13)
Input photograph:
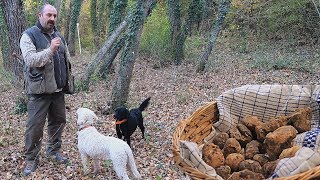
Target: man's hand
point(55, 43)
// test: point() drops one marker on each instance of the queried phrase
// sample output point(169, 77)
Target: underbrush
point(255, 53)
point(5, 79)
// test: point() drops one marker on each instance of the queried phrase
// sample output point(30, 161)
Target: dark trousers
point(40, 107)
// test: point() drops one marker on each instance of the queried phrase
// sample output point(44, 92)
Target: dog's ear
point(86, 116)
point(95, 116)
point(121, 113)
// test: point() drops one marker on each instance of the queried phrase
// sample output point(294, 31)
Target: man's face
point(48, 17)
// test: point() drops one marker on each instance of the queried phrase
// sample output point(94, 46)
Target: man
point(46, 72)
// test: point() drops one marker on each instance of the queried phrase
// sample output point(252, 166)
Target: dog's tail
point(144, 104)
point(132, 164)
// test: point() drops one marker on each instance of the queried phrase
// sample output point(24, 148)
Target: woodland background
point(182, 53)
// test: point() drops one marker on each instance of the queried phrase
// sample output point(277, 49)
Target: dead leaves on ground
point(175, 93)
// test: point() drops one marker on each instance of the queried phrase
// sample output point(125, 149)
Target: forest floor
point(175, 91)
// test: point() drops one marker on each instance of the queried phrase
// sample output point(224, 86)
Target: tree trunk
point(178, 33)
point(216, 28)
point(58, 5)
point(109, 58)
point(75, 12)
point(67, 21)
point(191, 19)
point(118, 9)
point(105, 48)
point(102, 21)
point(117, 14)
point(12, 9)
point(94, 23)
point(4, 40)
point(174, 10)
point(120, 91)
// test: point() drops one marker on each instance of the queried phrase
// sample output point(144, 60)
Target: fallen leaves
point(175, 93)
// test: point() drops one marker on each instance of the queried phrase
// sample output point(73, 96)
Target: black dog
point(127, 121)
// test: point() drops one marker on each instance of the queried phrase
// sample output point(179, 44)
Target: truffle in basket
point(261, 158)
point(212, 155)
point(251, 122)
point(231, 146)
point(224, 171)
point(274, 123)
point(301, 119)
point(251, 165)
point(289, 152)
point(269, 167)
point(233, 160)
point(252, 148)
point(278, 140)
point(246, 175)
point(241, 133)
point(220, 139)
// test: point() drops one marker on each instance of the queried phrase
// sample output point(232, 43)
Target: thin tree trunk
point(179, 33)
point(75, 12)
point(4, 40)
point(216, 28)
point(58, 5)
point(67, 21)
point(102, 21)
point(191, 19)
point(11, 10)
point(94, 23)
point(174, 10)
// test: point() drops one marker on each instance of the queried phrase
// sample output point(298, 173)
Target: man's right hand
point(55, 43)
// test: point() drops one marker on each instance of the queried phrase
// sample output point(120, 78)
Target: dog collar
point(120, 122)
point(84, 127)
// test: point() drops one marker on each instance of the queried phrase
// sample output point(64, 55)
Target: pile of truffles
point(252, 149)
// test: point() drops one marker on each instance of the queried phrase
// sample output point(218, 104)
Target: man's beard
point(50, 26)
point(50, 22)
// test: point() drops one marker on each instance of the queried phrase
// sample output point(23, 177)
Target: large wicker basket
point(198, 126)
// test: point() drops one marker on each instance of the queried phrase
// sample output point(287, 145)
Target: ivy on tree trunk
point(102, 20)
point(75, 12)
point(12, 9)
point(117, 14)
point(120, 90)
point(174, 11)
point(112, 54)
point(4, 39)
point(179, 35)
point(94, 23)
point(216, 28)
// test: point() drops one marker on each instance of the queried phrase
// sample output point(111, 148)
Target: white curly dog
point(92, 144)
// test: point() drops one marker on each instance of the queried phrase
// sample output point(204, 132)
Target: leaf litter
point(176, 92)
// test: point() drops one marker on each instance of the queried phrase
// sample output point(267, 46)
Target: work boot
point(58, 157)
point(30, 167)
